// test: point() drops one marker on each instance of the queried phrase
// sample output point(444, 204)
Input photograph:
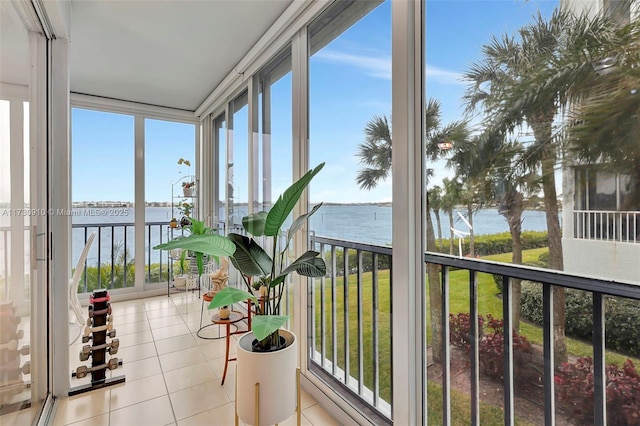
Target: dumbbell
point(90, 319)
point(111, 347)
point(83, 370)
point(93, 313)
point(93, 299)
point(110, 334)
point(108, 327)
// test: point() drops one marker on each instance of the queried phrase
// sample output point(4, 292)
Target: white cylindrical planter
point(187, 192)
point(276, 373)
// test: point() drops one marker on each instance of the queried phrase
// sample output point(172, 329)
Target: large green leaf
point(211, 244)
point(308, 265)
point(264, 325)
point(286, 202)
point(254, 223)
point(249, 258)
point(315, 268)
point(297, 224)
point(230, 295)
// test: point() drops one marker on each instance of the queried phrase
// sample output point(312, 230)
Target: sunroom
point(107, 110)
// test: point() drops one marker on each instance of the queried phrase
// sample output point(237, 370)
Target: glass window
point(219, 181)
point(237, 167)
point(350, 129)
point(23, 386)
point(166, 142)
point(275, 164)
point(533, 173)
point(103, 197)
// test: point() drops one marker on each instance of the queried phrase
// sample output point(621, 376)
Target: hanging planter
point(275, 374)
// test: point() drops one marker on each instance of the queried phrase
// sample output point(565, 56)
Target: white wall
point(602, 259)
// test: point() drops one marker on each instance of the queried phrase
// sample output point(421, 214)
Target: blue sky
point(350, 82)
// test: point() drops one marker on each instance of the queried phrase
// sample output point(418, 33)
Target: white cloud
point(443, 76)
point(380, 66)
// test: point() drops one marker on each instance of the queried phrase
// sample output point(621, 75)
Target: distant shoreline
point(130, 204)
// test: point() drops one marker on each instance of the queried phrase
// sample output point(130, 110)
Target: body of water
point(363, 223)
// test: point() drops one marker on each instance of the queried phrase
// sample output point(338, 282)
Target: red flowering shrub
point(574, 387)
point(460, 329)
point(491, 347)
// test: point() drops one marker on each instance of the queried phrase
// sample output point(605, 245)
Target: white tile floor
point(172, 376)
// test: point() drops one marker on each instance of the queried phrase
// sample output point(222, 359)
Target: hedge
point(486, 245)
point(91, 276)
point(622, 316)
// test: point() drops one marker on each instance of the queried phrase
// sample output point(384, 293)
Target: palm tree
point(375, 153)
point(507, 65)
point(435, 201)
point(497, 167)
point(375, 156)
point(599, 73)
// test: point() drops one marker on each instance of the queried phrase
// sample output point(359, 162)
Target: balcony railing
point(111, 261)
point(619, 226)
point(350, 338)
point(350, 326)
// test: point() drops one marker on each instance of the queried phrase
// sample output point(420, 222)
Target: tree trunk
point(439, 224)
point(542, 132)
point(435, 295)
point(472, 238)
point(451, 236)
point(513, 214)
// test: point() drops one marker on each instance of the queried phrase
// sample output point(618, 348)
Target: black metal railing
point(111, 261)
point(548, 279)
point(349, 321)
point(358, 363)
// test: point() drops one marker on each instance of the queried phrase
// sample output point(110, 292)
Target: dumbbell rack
point(99, 327)
point(11, 382)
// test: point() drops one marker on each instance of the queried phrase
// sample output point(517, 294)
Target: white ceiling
point(167, 53)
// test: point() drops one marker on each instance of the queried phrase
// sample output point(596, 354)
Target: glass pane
point(276, 129)
point(219, 141)
point(103, 156)
point(237, 167)
point(166, 142)
point(350, 130)
point(20, 401)
point(533, 163)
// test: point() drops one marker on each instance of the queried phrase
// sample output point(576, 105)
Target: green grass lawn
point(488, 303)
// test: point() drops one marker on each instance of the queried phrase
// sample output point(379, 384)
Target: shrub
point(384, 261)
point(622, 317)
point(460, 329)
point(486, 245)
point(544, 259)
point(575, 389)
point(491, 347)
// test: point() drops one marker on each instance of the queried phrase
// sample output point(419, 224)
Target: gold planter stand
point(257, 398)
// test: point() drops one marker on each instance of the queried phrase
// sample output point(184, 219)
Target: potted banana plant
point(268, 354)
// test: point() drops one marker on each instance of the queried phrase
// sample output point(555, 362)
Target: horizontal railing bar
point(549, 276)
point(110, 224)
point(387, 250)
